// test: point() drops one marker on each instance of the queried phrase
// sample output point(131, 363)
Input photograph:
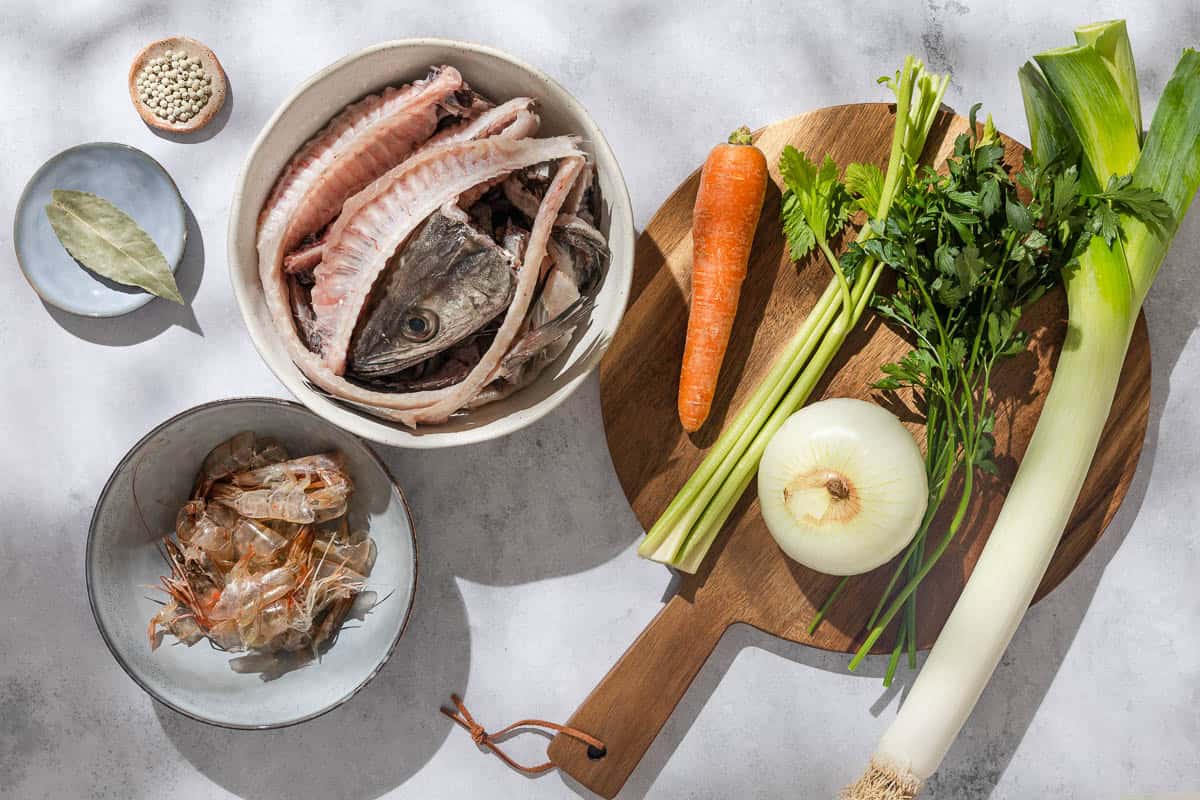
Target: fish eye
point(419, 325)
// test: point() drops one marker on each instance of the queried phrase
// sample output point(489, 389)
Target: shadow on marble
point(542, 502)
point(156, 316)
point(376, 740)
point(992, 734)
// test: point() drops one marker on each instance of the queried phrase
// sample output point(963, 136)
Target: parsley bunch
point(969, 255)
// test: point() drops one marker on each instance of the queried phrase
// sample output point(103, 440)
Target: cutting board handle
point(633, 701)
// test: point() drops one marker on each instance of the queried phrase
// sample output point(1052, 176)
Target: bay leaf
point(107, 241)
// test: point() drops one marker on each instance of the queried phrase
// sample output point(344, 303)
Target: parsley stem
point(902, 635)
point(819, 617)
point(910, 587)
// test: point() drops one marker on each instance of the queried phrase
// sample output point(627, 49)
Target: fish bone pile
point(424, 254)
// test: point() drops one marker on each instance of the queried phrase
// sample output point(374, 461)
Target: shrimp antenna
point(137, 505)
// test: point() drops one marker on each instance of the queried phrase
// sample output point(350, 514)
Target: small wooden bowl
point(208, 60)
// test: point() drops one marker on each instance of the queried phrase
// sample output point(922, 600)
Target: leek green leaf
point(1110, 40)
point(1051, 136)
point(1096, 108)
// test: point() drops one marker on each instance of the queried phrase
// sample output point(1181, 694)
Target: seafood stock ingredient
point(376, 222)
point(174, 86)
point(842, 486)
point(1080, 116)
point(251, 566)
point(729, 201)
point(443, 276)
point(109, 242)
point(683, 533)
point(364, 141)
point(445, 285)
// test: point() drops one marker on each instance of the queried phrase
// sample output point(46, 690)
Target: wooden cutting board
point(746, 578)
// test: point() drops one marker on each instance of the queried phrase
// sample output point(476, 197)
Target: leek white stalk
point(1104, 295)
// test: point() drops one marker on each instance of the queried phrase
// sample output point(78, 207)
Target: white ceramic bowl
point(123, 563)
point(501, 77)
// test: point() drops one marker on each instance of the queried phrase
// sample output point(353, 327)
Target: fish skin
point(587, 251)
point(533, 352)
point(581, 257)
point(580, 190)
point(449, 276)
point(375, 222)
point(514, 118)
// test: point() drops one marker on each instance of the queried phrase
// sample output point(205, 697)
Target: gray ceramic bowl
point(126, 177)
point(123, 560)
point(501, 77)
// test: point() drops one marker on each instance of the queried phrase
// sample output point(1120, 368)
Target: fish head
point(442, 287)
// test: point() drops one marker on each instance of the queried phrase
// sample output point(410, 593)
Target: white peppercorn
point(174, 86)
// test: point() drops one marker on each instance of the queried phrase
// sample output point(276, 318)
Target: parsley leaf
point(1139, 202)
point(1105, 223)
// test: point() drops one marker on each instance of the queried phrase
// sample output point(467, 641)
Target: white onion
point(842, 486)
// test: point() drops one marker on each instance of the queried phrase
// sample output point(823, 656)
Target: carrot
point(732, 186)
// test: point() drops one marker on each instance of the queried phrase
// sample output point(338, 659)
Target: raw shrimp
point(208, 527)
point(342, 547)
point(249, 569)
point(309, 489)
point(242, 452)
point(194, 583)
point(251, 535)
point(247, 591)
point(176, 620)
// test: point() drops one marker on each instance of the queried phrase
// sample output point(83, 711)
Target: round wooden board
point(746, 578)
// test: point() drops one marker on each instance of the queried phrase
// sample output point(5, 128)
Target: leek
point(1104, 296)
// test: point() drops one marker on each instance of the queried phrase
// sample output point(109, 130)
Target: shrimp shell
point(306, 490)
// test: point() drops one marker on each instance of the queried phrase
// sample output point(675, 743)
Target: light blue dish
point(127, 178)
point(123, 563)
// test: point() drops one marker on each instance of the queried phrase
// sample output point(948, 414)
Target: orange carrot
point(732, 186)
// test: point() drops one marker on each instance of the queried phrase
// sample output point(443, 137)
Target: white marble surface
point(529, 586)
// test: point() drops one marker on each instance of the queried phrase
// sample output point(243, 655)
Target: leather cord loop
point(484, 739)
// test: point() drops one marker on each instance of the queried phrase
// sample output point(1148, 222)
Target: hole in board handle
point(596, 753)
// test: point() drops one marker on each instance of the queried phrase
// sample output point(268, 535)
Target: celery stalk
point(667, 536)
